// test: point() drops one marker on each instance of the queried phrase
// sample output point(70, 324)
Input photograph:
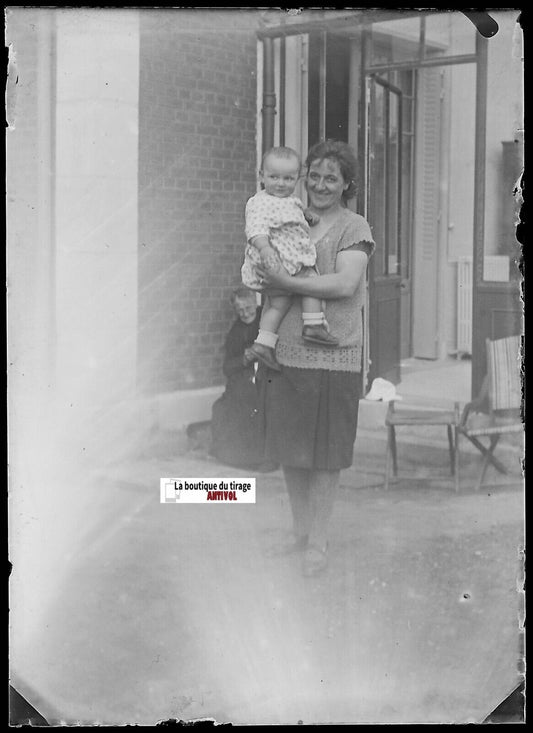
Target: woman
point(236, 439)
point(311, 406)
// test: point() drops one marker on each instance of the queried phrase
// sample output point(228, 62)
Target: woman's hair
point(242, 293)
point(343, 154)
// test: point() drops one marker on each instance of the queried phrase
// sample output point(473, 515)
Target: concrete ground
point(173, 611)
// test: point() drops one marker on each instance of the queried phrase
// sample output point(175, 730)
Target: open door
point(384, 207)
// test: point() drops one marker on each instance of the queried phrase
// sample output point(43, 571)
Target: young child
point(236, 432)
point(275, 220)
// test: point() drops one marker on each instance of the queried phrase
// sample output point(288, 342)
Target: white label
point(207, 490)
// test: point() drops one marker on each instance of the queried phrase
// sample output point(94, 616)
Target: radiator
point(464, 305)
point(495, 269)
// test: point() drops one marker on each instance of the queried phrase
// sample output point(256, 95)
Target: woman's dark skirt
point(310, 417)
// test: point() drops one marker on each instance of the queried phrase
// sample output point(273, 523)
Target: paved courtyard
point(157, 611)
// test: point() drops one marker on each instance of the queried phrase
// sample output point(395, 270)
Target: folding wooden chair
point(409, 416)
point(500, 396)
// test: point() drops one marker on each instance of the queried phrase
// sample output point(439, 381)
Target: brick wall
point(197, 131)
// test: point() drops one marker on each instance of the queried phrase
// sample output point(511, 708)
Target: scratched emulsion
point(11, 89)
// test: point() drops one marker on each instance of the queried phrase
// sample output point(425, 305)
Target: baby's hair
point(281, 152)
point(242, 293)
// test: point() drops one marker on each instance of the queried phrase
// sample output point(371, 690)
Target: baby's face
point(245, 309)
point(280, 175)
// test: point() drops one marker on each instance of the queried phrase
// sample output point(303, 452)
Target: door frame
point(360, 21)
point(386, 286)
point(480, 59)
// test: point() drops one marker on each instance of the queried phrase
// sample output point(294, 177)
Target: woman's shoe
point(319, 335)
point(265, 355)
point(288, 548)
point(315, 560)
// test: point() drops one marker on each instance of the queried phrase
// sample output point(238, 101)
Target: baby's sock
point(267, 338)
point(313, 319)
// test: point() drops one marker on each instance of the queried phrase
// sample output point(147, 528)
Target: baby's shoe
point(265, 355)
point(319, 335)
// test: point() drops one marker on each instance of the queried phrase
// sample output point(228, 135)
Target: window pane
point(395, 40)
point(404, 80)
point(376, 175)
point(393, 183)
point(449, 34)
point(405, 233)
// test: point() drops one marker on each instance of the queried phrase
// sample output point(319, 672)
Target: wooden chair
point(500, 397)
point(407, 416)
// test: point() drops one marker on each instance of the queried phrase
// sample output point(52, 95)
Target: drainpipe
point(478, 346)
point(282, 81)
point(322, 87)
point(269, 95)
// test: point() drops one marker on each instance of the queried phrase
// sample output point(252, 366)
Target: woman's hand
point(271, 271)
point(248, 357)
point(311, 218)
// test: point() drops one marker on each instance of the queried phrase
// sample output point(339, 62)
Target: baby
point(275, 219)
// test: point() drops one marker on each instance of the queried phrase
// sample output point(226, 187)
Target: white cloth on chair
point(382, 390)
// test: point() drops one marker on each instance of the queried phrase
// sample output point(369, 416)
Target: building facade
point(133, 143)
